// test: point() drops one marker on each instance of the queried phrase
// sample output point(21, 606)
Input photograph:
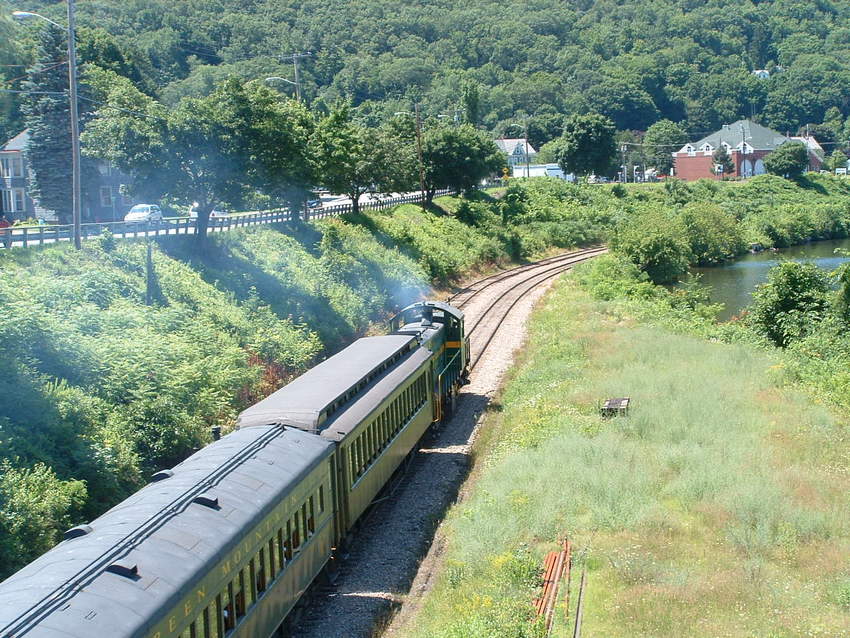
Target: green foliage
point(587, 145)
point(34, 505)
point(723, 162)
point(789, 160)
point(836, 159)
point(656, 241)
point(345, 154)
point(662, 139)
point(678, 60)
point(458, 157)
point(48, 121)
point(713, 233)
point(791, 303)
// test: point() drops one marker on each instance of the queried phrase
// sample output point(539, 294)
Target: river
point(733, 283)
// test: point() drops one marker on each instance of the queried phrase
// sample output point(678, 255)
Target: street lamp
point(277, 78)
point(418, 149)
point(75, 120)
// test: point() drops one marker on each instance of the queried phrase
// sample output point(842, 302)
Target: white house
point(516, 149)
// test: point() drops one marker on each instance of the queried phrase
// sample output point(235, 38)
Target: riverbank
point(717, 507)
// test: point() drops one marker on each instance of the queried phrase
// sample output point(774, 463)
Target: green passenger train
point(225, 543)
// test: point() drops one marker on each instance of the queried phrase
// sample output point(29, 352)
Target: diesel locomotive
point(225, 543)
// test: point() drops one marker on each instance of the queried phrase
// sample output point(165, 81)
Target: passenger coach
point(225, 543)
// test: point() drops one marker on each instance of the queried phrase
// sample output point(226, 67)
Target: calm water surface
point(732, 284)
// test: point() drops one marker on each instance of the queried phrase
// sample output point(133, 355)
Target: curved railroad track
point(384, 564)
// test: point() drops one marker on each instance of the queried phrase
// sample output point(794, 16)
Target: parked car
point(193, 212)
point(144, 213)
point(314, 203)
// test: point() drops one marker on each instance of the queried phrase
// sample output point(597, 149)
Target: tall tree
point(458, 157)
point(47, 116)
point(471, 101)
point(723, 164)
point(210, 150)
point(662, 139)
point(345, 155)
point(588, 144)
point(789, 160)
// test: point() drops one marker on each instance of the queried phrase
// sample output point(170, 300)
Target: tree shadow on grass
point(219, 266)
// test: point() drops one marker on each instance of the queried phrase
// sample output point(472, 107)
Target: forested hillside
point(635, 61)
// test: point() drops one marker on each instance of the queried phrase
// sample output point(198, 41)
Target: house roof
point(509, 145)
point(757, 136)
point(811, 144)
point(17, 143)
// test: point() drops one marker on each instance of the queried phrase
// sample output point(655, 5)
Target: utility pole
point(623, 150)
point(527, 167)
point(76, 197)
point(419, 153)
point(295, 57)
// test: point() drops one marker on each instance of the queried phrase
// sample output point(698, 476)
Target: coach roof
point(301, 403)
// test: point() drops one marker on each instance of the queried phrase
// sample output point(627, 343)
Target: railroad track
point(464, 296)
point(396, 534)
point(491, 318)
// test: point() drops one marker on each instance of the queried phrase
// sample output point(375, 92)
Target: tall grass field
point(717, 507)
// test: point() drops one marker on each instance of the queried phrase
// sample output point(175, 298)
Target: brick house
point(102, 198)
point(746, 142)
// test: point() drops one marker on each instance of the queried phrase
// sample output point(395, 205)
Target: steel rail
point(506, 274)
point(570, 260)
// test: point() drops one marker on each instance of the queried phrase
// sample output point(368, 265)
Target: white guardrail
point(28, 236)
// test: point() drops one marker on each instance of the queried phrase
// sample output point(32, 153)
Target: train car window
point(209, 629)
point(321, 499)
point(274, 559)
point(260, 574)
point(281, 550)
point(246, 582)
point(311, 516)
point(228, 613)
point(304, 525)
point(296, 534)
point(240, 599)
point(287, 548)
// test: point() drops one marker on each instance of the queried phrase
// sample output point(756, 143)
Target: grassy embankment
point(99, 389)
point(718, 507)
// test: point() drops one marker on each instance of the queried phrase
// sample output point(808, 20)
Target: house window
point(106, 196)
point(6, 201)
point(19, 199)
point(691, 150)
point(5, 167)
point(17, 167)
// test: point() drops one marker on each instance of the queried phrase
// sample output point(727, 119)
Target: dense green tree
point(458, 157)
point(792, 301)
point(723, 164)
point(714, 234)
point(789, 160)
point(48, 119)
point(587, 145)
point(662, 139)
point(656, 241)
point(211, 150)
point(836, 159)
point(471, 102)
point(345, 155)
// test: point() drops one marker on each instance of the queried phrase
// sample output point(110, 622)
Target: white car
point(193, 212)
point(144, 213)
